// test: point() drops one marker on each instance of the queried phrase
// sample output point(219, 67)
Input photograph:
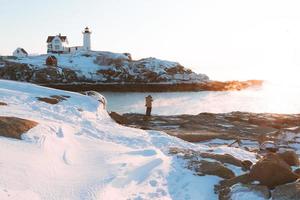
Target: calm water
point(272, 97)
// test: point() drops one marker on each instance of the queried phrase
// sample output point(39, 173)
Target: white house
point(58, 43)
point(20, 53)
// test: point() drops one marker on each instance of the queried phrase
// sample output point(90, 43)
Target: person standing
point(148, 105)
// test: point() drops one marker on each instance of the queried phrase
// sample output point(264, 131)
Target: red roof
point(62, 38)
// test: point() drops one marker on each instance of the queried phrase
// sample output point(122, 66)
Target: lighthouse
point(87, 39)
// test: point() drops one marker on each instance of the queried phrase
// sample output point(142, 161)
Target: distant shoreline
point(158, 87)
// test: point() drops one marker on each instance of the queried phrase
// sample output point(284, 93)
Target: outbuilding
point(20, 53)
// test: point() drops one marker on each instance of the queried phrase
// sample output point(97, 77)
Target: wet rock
point(14, 127)
point(272, 171)
point(204, 167)
point(289, 191)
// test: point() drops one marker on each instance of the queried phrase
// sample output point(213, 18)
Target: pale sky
point(232, 39)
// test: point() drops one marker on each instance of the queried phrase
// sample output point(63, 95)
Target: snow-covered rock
point(102, 67)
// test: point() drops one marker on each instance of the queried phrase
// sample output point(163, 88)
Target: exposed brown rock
point(3, 104)
point(48, 100)
point(272, 171)
point(290, 157)
point(204, 167)
point(53, 99)
point(223, 158)
point(14, 127)
point(118, 118)
point(207, 126)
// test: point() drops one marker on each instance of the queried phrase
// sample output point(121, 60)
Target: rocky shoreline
point(227, 126)
point(270, 144)
point(158, 87)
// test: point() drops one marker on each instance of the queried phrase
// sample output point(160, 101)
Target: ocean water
point(272, 97)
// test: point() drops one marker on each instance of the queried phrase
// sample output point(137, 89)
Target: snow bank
point(78, 152)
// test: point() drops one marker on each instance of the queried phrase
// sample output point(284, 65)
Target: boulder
point(118, 118)
point(289, 191)
point(14, 127)
point(204, 167)
point(290, 157)
point(272, 171)
point(223, 158)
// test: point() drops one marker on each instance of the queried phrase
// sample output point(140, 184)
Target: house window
point(56, 41)
point(56, 47)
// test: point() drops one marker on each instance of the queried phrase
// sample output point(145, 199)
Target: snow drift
point(78, 152)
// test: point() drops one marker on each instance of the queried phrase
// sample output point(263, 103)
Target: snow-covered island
point(100, 67)
point(100, 70)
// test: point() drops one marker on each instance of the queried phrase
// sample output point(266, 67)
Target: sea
point(272, 97)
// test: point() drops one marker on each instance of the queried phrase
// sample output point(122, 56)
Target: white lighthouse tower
point(87, 39)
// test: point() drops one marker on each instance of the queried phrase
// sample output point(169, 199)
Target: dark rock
point(289, 191)
point(272, 171)
point(223, 158)
point(211, 168)
point(53, 99)
point(48, 75)
point(207, 126)
point(118, 118)
point(3, 104)
point(14, 127)
point(70, 76)
point(16, 71)
point(48, 100)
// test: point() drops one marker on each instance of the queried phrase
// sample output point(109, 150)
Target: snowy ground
point(78, 152)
